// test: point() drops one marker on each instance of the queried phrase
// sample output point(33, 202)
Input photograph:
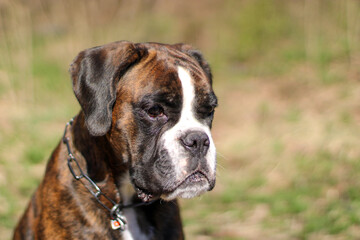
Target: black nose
point(196, 142)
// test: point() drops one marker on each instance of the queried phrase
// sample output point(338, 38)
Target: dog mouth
point(197, 178)
point(194, 178)
point(192, 185)
point(144, 195)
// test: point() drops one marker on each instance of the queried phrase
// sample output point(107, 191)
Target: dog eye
point(155, 111)
point(207, 111)
point(211, 110)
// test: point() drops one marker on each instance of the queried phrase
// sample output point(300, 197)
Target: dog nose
point(196, 142)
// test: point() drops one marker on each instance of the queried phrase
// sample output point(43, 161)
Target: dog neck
point(126, 190)
point(96, 151)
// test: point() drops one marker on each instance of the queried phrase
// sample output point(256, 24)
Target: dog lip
point(195, 177)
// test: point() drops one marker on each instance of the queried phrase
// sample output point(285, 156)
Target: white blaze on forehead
point(188, 93)
point(187, 122)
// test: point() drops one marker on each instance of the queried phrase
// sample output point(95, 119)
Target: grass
point(286, 74)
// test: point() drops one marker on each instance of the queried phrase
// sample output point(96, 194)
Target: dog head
point(155, 105)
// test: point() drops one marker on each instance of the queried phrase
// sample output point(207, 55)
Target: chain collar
point(117, 218)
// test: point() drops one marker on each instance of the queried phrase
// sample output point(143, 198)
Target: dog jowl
point(142, 135)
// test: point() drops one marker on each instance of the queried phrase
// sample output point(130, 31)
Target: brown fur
point(61, 207)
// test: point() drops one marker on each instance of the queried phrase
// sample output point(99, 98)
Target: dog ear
point(95, 73)
point(197, 55)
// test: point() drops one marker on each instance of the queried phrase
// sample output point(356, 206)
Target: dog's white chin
point(186, 192)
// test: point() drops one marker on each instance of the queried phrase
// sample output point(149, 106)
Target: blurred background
point(287, 127)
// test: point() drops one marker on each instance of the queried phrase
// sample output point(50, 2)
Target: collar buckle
point(118, 220)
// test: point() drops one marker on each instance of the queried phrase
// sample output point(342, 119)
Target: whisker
point(222, 156)
point(221, 166)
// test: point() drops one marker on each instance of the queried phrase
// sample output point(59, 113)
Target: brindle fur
point(105, 143)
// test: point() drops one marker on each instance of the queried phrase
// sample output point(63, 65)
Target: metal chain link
point(78, 174)
point(115, 211)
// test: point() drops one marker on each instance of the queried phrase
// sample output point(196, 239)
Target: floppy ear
point(197, 55)
point(95, 73)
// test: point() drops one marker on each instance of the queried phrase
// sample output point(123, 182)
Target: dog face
point(156, 115)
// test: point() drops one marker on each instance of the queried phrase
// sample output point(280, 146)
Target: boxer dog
point(141, 140)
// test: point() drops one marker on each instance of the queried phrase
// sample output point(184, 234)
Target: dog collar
point(117, 218)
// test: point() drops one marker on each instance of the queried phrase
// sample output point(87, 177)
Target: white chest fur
point(133, 230)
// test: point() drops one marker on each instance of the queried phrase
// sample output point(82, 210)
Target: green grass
point(286, 128)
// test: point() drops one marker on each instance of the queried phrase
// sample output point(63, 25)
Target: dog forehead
point(154, 76)
point(157, 73)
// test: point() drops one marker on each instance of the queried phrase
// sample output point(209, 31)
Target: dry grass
point(287, 77)
point(282, 159)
